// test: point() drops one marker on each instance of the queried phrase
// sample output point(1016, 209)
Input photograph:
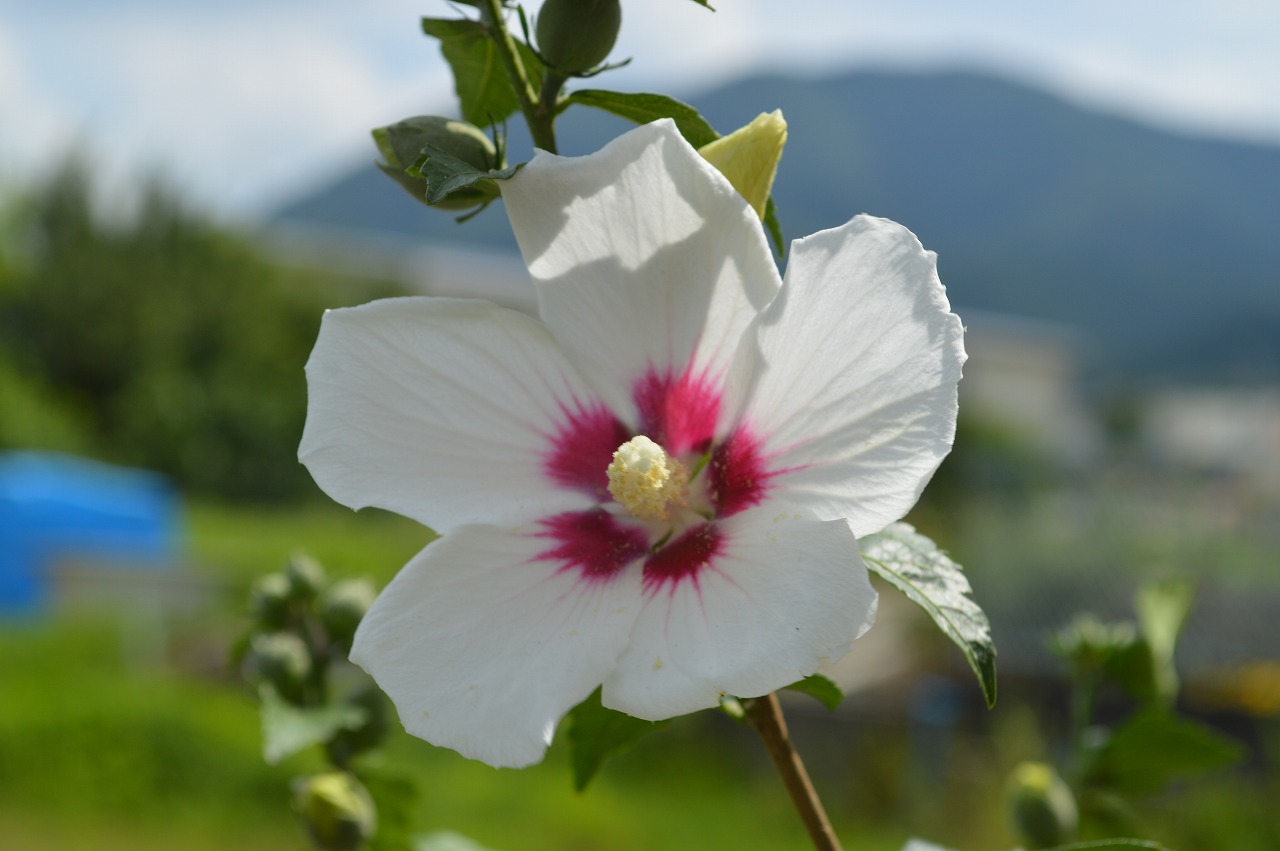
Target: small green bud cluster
point(335, 809)
point(302, 623)
point(302, 628)
point(577, 35)
point(283, 661)
point(402, 145)
point(301, 596)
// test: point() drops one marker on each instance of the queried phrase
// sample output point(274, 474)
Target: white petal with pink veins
point(758, 604)
point(644, 257)
point(850, 382)
point(449, 411)
point(484, 641)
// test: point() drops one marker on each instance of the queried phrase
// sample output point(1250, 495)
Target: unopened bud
point(577, 35)
point(749, 157)
point(343, 605)
point(306, 577)
point(1044, 810)
point(401, 146)
point(335, 809)
point(280, 659)
point(269, 600)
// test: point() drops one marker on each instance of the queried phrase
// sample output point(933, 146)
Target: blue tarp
point(55, 507)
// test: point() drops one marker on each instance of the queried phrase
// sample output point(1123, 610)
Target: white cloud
point(234, 112)
point(241, 103)
point(34, 126)
point(247, 113)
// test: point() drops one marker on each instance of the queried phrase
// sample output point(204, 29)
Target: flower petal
point(779, 597)
point(451, 411)
point(850, 382)
point(644, 257)
point(483, 642)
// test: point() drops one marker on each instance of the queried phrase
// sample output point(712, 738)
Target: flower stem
point(536, 114)
point(765, 717)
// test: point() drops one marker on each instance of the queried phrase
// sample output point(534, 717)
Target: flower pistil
point(647, 481)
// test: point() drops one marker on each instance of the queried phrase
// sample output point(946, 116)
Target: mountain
point(1162, 248)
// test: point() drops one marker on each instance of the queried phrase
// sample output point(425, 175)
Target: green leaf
point(595, 732)
point(483, 87)
point(641, 108)
point(1162, 610)
point(446, 174)
point(827, 692)
point(915, 566)
point(1133, 669)
point(444, 840)
point(287, 729)
point(1155, 747)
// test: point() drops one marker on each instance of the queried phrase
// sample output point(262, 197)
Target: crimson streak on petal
point(736, 476)
point(684, 558)
point(581, 451)
point(592, 542)
point(678, 413)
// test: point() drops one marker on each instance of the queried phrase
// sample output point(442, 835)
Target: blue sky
point(242, 103)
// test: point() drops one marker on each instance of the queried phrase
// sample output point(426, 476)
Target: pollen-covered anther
point(647, 481)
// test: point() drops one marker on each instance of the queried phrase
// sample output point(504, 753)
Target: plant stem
point(765, 717)
point(536, 114)
point(1081, 713)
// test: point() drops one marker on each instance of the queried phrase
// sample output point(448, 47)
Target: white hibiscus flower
point(658, 487)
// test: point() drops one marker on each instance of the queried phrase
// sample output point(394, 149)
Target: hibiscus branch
point(765, 716)
point(537, 113)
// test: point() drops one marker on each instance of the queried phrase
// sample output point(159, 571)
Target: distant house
point(1218, 430)
point(1024, 375)
point(62, 513)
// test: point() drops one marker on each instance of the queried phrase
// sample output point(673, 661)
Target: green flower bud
point(347, 744)
point(269, 600)
point(1044, 810)
point(342, 607)
point(749, 157)
point(401, 145)
point(576, 35)
point(282, 660)
point(335, 809)
point(306, 577)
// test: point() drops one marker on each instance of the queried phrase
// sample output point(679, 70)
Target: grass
point(101, 748)
point(96, 743)
point(239, 544)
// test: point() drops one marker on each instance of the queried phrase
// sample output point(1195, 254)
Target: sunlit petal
point(448, 411)
point(487, 637)
point(850, 381)
point(644, 256)
point(776, 597)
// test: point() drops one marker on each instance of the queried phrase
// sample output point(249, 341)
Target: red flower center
point(681, 413)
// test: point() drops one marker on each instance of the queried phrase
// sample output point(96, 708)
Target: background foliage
point(160, 341)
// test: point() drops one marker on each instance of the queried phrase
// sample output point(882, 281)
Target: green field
point(113, 738)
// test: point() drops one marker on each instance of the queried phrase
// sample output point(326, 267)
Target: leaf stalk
point(539, 112)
